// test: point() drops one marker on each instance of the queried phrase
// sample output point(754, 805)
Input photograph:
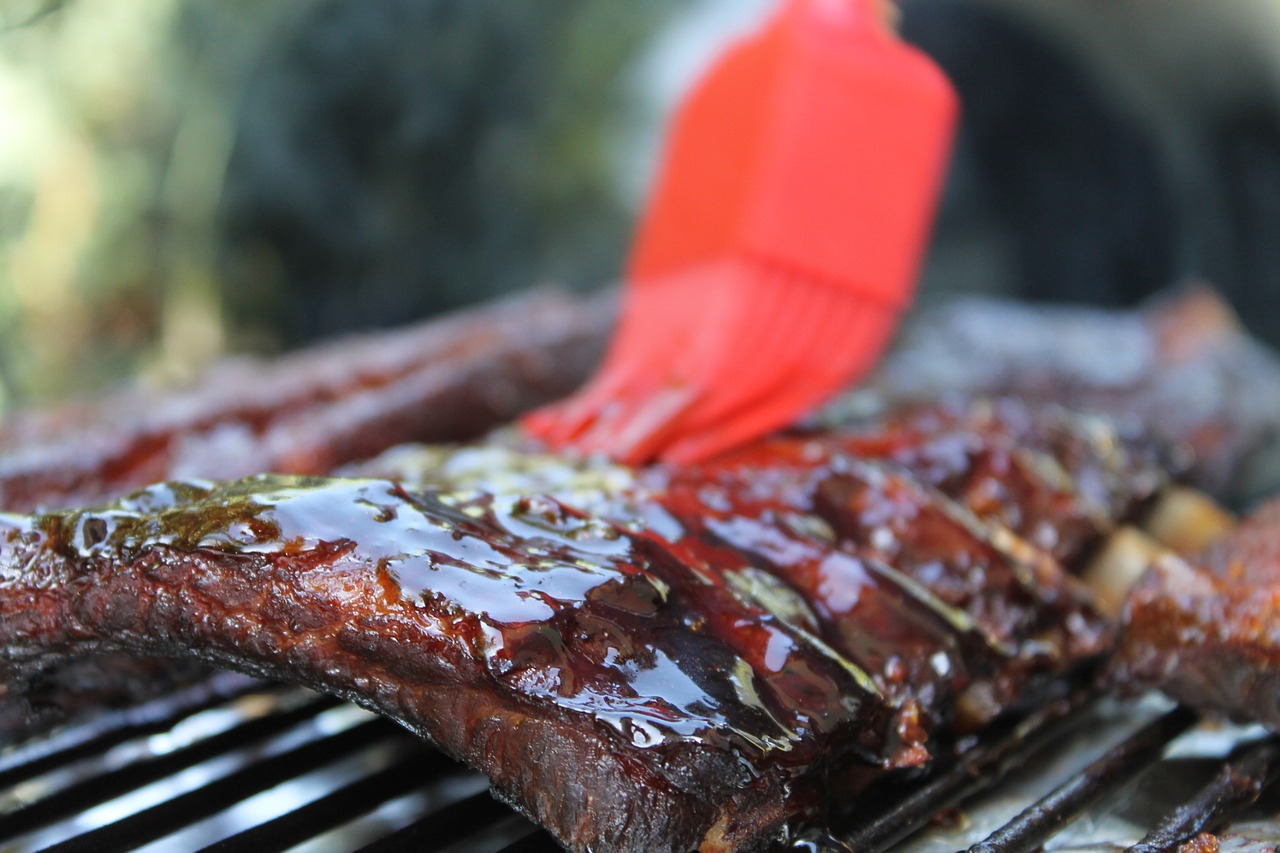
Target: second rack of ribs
point(666, 659)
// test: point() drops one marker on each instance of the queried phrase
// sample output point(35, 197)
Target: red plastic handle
point(817, 145)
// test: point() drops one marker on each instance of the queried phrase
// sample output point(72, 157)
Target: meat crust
point(666, 659)
point(709, 642)
point(1207, 631)
point(1182, 368)
point(618, 700)
point(447, 379)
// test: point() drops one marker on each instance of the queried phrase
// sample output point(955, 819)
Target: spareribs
point(664, 659)
point(1182, 368)
point(640, 660)
point(1206, 629)
point(447, 379)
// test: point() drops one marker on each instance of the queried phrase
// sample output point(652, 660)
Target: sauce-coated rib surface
point(663, 659)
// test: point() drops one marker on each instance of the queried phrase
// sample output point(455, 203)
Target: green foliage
point(182, 176)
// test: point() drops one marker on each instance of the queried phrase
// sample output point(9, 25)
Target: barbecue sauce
point(809, 608)
point(562, 608)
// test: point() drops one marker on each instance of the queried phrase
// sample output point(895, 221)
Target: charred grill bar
point(1032, 827)
point(1236, 786)
point(444, 807)
point(983, 767)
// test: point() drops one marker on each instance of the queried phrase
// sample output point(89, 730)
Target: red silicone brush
point(781, 243)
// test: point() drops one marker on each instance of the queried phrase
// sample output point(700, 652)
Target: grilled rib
point(658, 660)
point(1206, 630)
point(1023, 495)
point(447, 379)
point(1182, 368)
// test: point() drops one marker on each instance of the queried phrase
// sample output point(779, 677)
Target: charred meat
point(1182, 368)
point(1207, 630)
point(666, 659)
point(447, 379)
point(656, 659)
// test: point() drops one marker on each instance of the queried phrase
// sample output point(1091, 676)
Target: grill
point(237, 764)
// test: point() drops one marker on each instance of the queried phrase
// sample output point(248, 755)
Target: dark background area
point(1110, 149)
point(183, 178)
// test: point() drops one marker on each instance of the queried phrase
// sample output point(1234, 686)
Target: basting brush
point(781, 242)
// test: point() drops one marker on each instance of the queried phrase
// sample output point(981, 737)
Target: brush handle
point(818, 145)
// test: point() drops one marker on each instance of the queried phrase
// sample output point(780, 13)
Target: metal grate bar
point(978, 769)
point(343, 805)
point(1028, 831)
point(30, 759)
point(175, 813)
point(1236, 786)
point(442, 828)
point(103, 787)
point(267, 748)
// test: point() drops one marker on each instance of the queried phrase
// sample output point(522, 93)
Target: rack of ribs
point(662, 659)
point(446, 379)
point(1182, 368)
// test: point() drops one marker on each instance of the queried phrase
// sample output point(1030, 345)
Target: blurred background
point(184, 178)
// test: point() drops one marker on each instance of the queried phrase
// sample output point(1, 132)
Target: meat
point(1182, 369)
point(305, 413)
point(657, 660)
point(1207, 631)
point(714, 648)
point(537, 658)
point(445, 379)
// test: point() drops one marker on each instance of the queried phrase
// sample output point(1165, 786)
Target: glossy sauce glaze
point(562, 608)
point(950, 614)
point(741, 635)
point(886, 541)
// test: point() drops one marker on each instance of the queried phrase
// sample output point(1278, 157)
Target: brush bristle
point(717, 357)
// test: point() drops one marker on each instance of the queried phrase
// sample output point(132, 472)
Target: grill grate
point(984, 766)
point(1040, 821)
point(239, 765)
point(1238, 784)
